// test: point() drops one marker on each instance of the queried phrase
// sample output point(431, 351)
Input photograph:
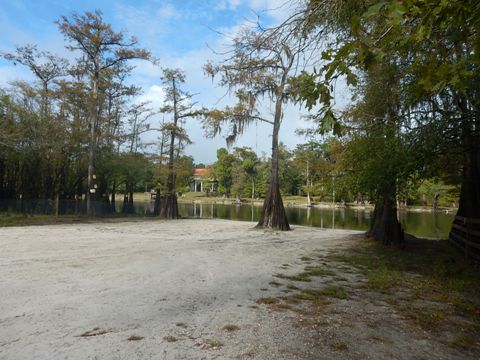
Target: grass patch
point(339, 345)
point(94, 332)
point(16, 219)
point(381, 340)
point(463, 339)
point(316, 297)
point(383, 279)
point(267, 300)
point(213, 343)
point(170, 338)
point(135, 338)
point(427, 317)
point(423, 263)
point(337, 292)
point(429, 283)
point(306, 258)
point(299, 277)
point(318, 271)
point(231, 328)
point(306, 276)
point(292, 287)
point(281, 306)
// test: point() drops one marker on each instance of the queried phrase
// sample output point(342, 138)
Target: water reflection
point(430, 225)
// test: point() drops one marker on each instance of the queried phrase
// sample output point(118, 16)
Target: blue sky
point(177, 32)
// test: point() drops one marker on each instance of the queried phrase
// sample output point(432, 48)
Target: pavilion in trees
point(204, 181)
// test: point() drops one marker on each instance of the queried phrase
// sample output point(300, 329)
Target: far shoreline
point(322, 205)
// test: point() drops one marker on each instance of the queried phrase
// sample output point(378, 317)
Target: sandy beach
point(185, 289)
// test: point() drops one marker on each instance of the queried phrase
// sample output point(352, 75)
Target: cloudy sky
point(180, 33)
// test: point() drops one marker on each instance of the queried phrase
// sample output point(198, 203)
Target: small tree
point(260, 67)
point(223, 171)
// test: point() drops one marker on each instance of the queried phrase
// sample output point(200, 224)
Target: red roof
point(200, 172)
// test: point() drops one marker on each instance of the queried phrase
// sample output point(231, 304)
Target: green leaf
point(373, 10)
point(326, 55)
point(355, 25)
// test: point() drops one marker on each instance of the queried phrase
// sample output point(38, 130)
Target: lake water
point(420, 224)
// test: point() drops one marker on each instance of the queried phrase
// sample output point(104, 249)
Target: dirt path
point(187, 289)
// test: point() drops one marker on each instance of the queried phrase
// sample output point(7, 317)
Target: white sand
point(141, 278)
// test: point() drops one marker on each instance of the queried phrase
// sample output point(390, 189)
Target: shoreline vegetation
point(293, 201)
point(20, 219)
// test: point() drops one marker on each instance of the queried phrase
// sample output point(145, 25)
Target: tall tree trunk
point(385, 227)
point(94, 120)
point(273, 214)
point(168, 204)
point(91, 173)
point(113, 199)
point(156, 204)
point(469, 204)
point(125, 203)
point(130, 200)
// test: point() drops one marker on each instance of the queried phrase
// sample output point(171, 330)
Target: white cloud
point(154, 95)
point(228, 4)
point(168, 11)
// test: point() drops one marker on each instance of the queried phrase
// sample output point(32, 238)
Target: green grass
point(14, 219)
point(298, 277)
point(335, 292)
point(423, 265)
point(429, 283)
point(305, 276)
point(214, 343)
point(318, 271)
point(463, 339)
point(281, 306)
point(267, 300)
point(170, 338)
point(339, 345)
point(306, 258)
point(231, 328)
point(426, 317)
point(135, 338)
point(316, 297)
point(383, 279)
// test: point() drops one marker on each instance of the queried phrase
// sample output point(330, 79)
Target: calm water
point(429, 225)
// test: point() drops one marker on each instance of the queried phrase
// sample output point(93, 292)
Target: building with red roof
point(204, 181)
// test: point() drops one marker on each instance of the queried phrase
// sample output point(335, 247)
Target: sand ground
point(167, 289)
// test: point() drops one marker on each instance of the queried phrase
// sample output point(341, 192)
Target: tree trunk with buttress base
point(385, 227)
point(168, 203)
point(273, 214)
point(469, 204)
